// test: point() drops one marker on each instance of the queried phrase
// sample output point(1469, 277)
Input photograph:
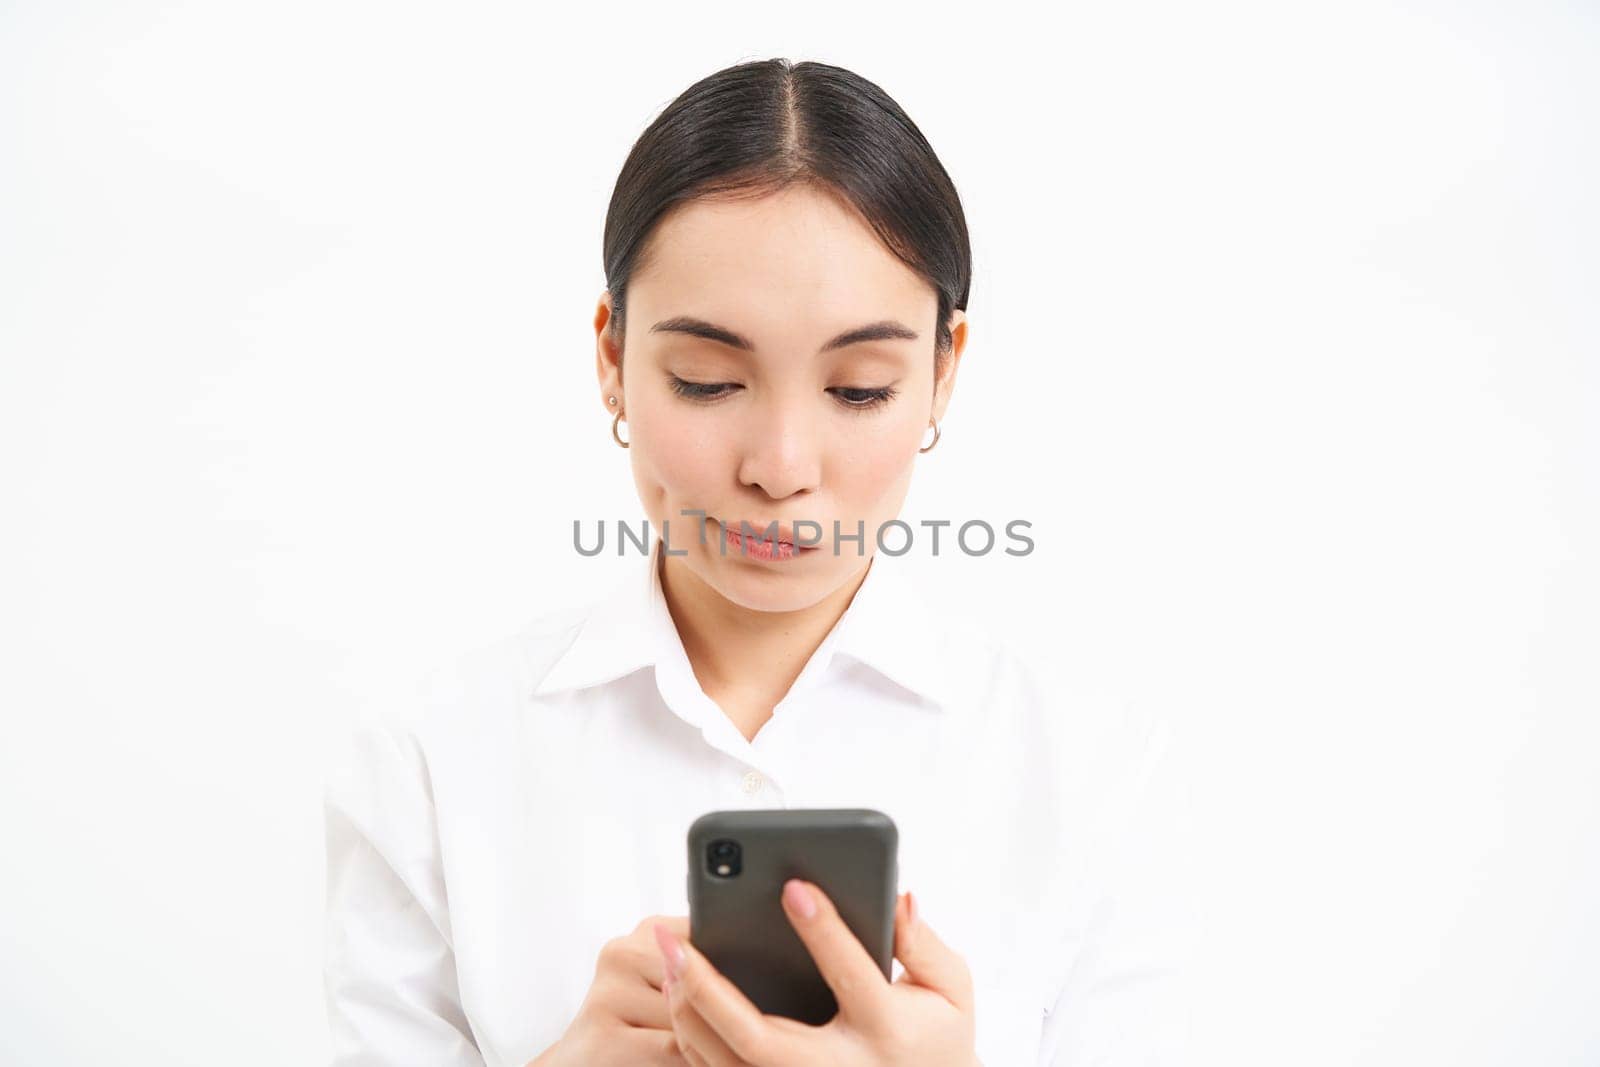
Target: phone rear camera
point(722, 858)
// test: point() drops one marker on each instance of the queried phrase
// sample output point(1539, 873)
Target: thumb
point(928, 961)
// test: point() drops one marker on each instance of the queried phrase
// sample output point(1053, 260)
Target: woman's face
point(745, 397)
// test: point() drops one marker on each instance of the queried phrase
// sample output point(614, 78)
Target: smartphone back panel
point(738, 863)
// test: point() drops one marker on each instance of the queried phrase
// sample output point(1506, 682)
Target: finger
point(647, 1048)
point(850, 971)
point(638, 1003)
point(928, 961)
point(641, 957)
point(678, 924)
point(697, 1040)
point(737, 1023)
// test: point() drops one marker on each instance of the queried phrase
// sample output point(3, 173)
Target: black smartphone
point(738, 863)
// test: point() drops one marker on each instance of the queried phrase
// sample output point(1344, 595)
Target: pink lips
point(758, 547)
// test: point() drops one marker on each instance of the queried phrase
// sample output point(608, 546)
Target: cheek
point(685, 462)
point(676, 461)
point(872, 479)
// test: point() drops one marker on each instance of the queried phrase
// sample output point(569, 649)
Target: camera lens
point(722, 857)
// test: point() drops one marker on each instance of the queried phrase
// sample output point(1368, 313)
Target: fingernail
point(671, 951)
point(911, 906)
point(799, 898)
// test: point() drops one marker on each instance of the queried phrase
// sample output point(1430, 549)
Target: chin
point(766, 589)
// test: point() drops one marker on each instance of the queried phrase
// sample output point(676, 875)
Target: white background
point(1284, 337)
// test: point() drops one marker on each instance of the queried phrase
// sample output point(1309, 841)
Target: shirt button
point(751, 782)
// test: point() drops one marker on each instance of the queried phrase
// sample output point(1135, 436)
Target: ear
point(607, 355)
point(946, 383)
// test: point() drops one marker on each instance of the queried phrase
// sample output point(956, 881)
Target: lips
point(758, 532)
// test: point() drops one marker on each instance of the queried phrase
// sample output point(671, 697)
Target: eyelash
point(705, 391)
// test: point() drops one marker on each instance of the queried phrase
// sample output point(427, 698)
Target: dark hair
point(756, 127)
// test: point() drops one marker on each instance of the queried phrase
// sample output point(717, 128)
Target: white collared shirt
point(483, 845)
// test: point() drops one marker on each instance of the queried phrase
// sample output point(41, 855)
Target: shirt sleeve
point(1124, 1002)
point(389, 965)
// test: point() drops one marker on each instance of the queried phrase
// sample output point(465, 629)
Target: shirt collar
point(889, 626)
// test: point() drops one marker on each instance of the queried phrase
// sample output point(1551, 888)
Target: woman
point(787, 268)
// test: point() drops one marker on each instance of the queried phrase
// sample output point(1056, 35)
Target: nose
point(783, 449)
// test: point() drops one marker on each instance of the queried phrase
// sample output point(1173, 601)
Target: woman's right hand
point(623, 1021)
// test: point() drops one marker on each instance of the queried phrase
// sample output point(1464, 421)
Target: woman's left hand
point(922, 1019)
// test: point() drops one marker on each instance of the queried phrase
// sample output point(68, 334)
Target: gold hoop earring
point(934, 423)
point(615, 436)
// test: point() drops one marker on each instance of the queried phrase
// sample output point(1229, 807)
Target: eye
point(699, 390)
point(865, 398)
point(850, 397)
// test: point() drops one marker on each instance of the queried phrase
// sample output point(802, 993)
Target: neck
point(746, 660)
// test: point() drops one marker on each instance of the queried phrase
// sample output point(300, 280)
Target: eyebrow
point(885, 330)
